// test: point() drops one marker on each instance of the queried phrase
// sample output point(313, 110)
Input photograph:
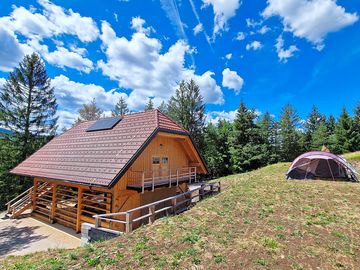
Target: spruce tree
point(187, 108)
point(319, 137)
point(311, 124)
point(343, 130)
point(268, 133)
point(288, 134)
point(248, 150)
point(28, 105)
point(356, 129)
point(216, 153)
point(211, 153)
point(121, 108)
point(225, 134)
point(163, 107)
point(149, 106)
point(330, 125)
point(88, 112)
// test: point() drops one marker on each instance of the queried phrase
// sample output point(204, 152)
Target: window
point(165, 160)
point(156, 160)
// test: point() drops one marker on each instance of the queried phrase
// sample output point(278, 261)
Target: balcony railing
point(151, 179)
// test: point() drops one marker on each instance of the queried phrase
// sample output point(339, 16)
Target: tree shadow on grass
point(13, 238)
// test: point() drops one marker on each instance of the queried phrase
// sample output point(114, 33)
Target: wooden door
point(164, 166)
point(156, 166)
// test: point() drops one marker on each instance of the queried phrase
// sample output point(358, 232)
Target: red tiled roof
point(96, 158)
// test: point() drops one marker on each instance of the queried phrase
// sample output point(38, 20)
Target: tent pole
point(307, 169)
point(332, 175)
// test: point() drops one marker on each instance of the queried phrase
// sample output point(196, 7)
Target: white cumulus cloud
point(137, 23)
point(215, 116)
point(240, 36)
point(32, 26)
point(223, 11)
point(71, 95)
point(255, 45)
point(310, 19)
point(138, 64)
point(284, 54)
point(232, 80)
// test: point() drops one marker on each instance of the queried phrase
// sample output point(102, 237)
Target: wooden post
point(201, 192)
point(108, 202)
point(34, 194)
point(173, 202)
point(177, 177)
point(170, 179)
point(128, 222)
point(152, 214)
point(153, 181)
point(143, 182)
point(189, 175)
point(97, 222)
point(53, 203)
point(195, 175)
point(78, 210)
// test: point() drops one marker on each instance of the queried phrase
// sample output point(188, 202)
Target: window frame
point(156, 157)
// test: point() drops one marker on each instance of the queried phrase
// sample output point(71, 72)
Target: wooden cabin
point(106, 166)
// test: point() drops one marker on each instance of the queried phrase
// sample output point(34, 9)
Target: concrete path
point(27, 235)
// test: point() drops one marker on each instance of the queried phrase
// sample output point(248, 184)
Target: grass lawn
point(353, 156)
point(259, 221)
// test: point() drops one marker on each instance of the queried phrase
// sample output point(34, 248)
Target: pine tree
point(149, 106)
point(216, 153)
point(10, 185)
point(89, 112)
point(342, 133)
point(312, 122)
point(28, 105)
point(268, 133)
point(248, 150)
point(225, 134)
point(289, 135)
point(163, 107)
point(121, 108)
point(319, 137)
point(211, 153)
point(330, 124)
point(186, 107)
point(356, 129)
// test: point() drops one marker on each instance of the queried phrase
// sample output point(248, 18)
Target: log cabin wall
point(163, 145)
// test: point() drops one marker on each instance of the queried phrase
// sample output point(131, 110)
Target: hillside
point(259, 221)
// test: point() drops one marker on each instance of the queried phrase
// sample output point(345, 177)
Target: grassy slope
point(259, 221)
point(352, 156)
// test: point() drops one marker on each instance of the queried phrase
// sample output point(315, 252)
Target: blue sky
point(267, 53)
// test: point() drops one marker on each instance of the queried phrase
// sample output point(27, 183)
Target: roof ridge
point(157, 117)
point(168, 117)
point(131, 113)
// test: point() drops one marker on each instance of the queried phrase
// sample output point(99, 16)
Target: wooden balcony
point(149, 180)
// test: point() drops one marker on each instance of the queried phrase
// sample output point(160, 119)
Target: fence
point(184, 200)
